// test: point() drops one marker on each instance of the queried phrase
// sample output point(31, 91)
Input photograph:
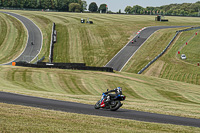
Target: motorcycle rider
point(118, 91)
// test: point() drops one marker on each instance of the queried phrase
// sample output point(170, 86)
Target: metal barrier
point(40, 60)
point(52, 43)
point(151, 62)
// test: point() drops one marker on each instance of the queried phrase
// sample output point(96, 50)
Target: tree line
point(184, 9)
point(62, 5)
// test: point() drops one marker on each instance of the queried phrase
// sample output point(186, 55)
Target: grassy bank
point(45, 26)
point(13, 38)
point(93, 44)
point(169, 66)
point(149, 50)
point(143, 93)
point(25, 119)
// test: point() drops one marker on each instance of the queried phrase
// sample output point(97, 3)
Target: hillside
point(169, 66)
point(143, 93)
point(95, 45)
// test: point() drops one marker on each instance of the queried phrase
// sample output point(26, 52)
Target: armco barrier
point(151, 62)
point(193, 28)
point(53, 39)
point(73, 66)
point(40, 60)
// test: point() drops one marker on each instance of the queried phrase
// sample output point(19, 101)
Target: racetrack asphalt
point(125, 54)
point(79, 108)
point(34, 35)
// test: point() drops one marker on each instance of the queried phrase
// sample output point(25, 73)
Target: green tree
point(74, 7)
point(170, 12)
point(34, 4)
point(120, 11)
point(136, 9)
point(47, 4)
point(27, 4)
point(128, 10)
point(84, 5)
point(103, 8)
point(93, 7)
point(63, 5)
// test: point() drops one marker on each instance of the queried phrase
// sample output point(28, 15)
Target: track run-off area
point(34, 45)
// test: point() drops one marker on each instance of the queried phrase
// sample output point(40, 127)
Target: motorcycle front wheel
point(115, 106)
point(97, 105)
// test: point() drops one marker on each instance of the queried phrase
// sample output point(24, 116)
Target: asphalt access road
point(125, 54)
point(89, 109)
point(34, 35)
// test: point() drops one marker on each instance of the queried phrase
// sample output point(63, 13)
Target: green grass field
point(16, 118)
point(149, 50)
point(13, 38)
point(143, 93)
point(170, 66)
point(95, 45)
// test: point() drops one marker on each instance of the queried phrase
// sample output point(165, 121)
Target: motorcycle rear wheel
point(116, 106)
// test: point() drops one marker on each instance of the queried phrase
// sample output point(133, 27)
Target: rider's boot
point(108, 99)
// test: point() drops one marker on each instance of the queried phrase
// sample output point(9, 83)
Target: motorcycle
point(114, 103)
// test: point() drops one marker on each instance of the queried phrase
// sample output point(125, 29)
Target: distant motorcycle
point(113, 104)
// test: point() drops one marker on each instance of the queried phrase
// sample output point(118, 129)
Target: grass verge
point(15, 118)
point(143, 93)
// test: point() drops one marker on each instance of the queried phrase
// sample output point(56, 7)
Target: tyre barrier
point(151, 62)
point(60, 64)
point(73, 66)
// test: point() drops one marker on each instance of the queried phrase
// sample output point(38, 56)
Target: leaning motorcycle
point(114, 103)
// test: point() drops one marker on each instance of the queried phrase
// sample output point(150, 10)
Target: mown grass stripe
point(175, 96)
point(3, 29)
